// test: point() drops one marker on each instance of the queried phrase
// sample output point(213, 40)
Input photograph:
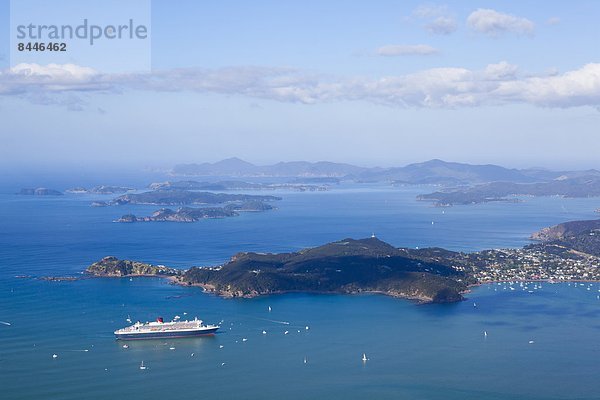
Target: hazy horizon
point(136, 169)
point(512, 84)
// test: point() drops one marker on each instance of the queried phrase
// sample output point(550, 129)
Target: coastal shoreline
point(211, 289)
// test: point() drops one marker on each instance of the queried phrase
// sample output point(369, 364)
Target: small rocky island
point(190, 214)
point(566, 252)
point(102, 189)
point(113, 267)
point(39, 192)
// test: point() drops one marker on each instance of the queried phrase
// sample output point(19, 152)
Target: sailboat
point(142, 366)
point(364, 357)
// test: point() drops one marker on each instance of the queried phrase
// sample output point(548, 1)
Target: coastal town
point(537, 262)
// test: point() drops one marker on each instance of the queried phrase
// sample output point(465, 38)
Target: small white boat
point(142, 366)
point(125, 346)
point(364, 357)
point(54, 355)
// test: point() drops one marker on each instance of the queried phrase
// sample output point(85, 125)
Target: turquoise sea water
point(415, 352)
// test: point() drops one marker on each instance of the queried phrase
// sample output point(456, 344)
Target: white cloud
point(494, 23)
point(496, 84)
point(441, 22)
point(553, 21)
point(574, 88)
point(430, 11)
point(406, 50)
point(51, 77)
point(52, 71)
point(501, 71)
point(442, 26)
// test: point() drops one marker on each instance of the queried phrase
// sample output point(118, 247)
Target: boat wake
point(273, 320)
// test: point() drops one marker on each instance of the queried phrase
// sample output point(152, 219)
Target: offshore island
point(565, 252)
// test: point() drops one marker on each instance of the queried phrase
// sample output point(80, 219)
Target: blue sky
point(373, 83)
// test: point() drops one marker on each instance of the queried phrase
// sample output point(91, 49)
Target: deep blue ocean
point(540, 345)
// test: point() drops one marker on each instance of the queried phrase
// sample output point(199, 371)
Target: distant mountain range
point(429, 172)
point(234, 167)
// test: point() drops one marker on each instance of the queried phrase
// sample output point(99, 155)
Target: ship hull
point(165, 335)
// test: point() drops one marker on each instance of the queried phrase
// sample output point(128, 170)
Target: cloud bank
point(496, 84)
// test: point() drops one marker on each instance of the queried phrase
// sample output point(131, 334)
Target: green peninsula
point(432, 275)
point(347, 266)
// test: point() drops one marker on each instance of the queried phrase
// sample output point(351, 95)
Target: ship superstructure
point(159, 329)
